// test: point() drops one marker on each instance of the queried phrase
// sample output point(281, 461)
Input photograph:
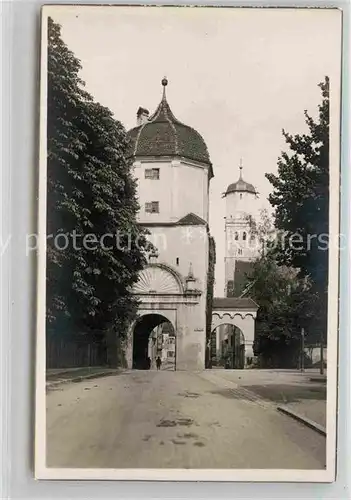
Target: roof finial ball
point(164, 83)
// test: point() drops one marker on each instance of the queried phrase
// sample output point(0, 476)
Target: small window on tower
point(177, 261)
point(244, 235)
point(152, 173)
point(152, 207)
point(241, 195)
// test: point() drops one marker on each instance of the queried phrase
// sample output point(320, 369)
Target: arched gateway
point(153, 336)
point(165, 298)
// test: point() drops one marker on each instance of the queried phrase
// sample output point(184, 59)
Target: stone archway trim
point(168, 271)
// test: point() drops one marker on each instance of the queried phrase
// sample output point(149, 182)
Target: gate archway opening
point(227, 347)
point(153, 336)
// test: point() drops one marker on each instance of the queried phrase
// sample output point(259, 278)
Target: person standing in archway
point(158, 362)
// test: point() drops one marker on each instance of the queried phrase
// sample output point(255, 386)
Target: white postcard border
point(230, 475)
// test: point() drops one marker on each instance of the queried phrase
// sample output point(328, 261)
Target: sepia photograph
point(188, 242)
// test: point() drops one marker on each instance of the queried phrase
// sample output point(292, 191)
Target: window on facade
point(170, 354)
point(152, 173)
point(240, 252)
point(236, 236)
point(177, 261)
point(244, 235)
point(152, 207)
point(241, 195)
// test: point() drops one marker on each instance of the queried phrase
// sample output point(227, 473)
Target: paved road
point(172, 420)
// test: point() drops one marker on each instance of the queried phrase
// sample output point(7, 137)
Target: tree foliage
point(285, 298)
point(301, 200)
point(92, 205)
point(286, 304)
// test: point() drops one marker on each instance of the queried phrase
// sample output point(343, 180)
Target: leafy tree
point(301, 200)
point(286, 299)
point(92, 205)
point(286, 304)
point(262, 230)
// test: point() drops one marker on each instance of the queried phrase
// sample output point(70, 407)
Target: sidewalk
point(314, 410)
point(301, 395)
point(57, 376)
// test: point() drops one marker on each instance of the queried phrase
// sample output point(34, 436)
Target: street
point(150, 419)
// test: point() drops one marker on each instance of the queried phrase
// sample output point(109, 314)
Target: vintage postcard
point(188, 243)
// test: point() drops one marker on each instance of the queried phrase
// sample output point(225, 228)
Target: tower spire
point(241, 168)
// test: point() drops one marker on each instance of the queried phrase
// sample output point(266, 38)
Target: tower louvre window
point(152, 207)
point(152, 173)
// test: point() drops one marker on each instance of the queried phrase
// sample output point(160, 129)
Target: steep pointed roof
point(164, 135)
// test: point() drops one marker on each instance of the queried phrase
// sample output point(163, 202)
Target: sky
point(236, 75)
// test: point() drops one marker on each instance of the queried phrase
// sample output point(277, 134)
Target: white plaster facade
point(182, 188)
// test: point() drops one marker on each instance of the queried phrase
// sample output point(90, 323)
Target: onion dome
point(162, 134)
point(240, 186)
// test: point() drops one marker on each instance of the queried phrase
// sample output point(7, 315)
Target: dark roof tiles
point(191, 220)
point(232, 303)
point(241, 272)
point(241, 186)
point(163, 135)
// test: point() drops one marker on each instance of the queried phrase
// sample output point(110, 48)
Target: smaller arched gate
point(233, 325)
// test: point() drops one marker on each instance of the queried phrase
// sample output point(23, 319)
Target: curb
point(304, 420)
point(81, 378)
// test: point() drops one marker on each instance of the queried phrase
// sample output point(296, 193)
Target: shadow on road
point(284, 393)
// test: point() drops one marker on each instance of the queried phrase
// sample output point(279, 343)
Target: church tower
point(240, 243)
